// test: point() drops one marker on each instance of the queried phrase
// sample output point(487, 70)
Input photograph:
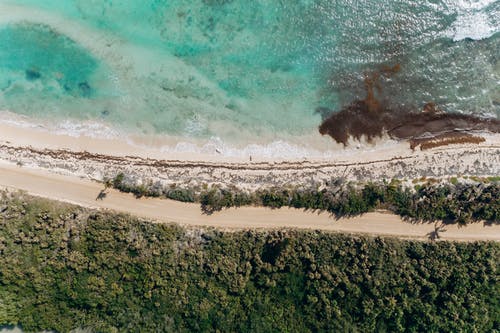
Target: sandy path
point(84, 192)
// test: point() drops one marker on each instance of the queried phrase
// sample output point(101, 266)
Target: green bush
point(180, 194)
point(449, 202)
point(213, 200)
point(118, 180)
point(63, 267)
point(274, 198)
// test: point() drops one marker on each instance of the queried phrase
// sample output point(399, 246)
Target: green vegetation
point(151, 190)
point(494, 179)
point(451, 202)
point(63, 267)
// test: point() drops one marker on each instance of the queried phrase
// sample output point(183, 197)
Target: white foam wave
point(475, 20)
point(278, 149)
point(88, 129)
point(472, 4)
point(91, 129)
point(309, 148)
point(475, 26)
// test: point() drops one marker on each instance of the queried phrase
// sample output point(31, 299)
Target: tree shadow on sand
point(102, 195)
point(434, 235)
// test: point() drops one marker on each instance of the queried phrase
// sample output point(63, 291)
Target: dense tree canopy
point(63, 267)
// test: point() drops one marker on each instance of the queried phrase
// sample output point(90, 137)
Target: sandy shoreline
point(93, 158)
point(101, 139)
point(66, 168)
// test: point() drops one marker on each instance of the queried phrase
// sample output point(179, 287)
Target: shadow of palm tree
point(101, 195)
point(439, 227)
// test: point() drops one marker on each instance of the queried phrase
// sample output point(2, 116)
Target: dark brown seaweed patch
point(371, 118)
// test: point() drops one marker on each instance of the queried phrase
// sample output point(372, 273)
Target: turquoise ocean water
point(241, 71)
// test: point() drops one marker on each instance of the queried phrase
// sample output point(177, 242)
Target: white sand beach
point(94, 158)
point(67, 168)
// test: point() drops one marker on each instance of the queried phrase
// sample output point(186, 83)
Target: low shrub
point(452, 202)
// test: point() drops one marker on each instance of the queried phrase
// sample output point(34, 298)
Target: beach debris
point(444, 140)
